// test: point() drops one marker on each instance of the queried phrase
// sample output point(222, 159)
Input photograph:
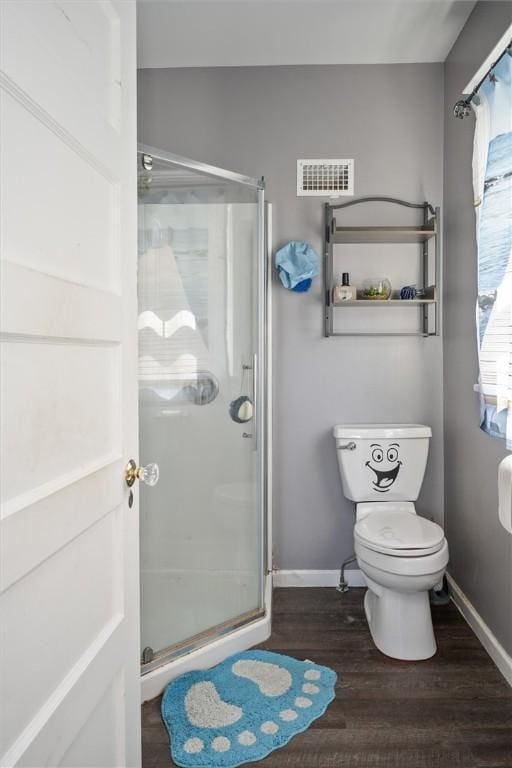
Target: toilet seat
point(403, 565)
point(399, 533)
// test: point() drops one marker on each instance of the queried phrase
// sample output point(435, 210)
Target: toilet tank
point(382, 461)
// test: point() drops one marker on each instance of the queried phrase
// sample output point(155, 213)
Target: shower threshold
point(177, 650)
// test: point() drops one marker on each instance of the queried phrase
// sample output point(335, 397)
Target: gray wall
point(259, 121)
point(480, 550)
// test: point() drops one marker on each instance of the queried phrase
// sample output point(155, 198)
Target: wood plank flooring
point(452, 711)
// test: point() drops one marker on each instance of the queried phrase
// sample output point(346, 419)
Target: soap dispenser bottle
point(345, 291)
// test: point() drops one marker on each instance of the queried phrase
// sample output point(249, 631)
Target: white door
point(69, 575)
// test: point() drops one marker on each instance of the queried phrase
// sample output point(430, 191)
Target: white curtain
point(492, 180)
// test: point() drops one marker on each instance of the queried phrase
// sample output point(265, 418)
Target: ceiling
point(233, 33)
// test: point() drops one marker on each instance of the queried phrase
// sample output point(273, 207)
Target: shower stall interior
point(204, 410)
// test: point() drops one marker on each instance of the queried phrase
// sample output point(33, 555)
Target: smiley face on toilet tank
point(384, 465)
point(383, 462)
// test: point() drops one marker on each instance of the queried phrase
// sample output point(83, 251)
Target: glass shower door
point(201, 403)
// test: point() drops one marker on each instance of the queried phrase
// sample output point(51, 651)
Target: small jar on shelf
point(376, 289)
point(345, 291)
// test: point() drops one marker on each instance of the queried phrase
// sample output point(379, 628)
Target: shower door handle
point(255, 399)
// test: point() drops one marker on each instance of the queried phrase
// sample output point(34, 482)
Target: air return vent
point(325, 178)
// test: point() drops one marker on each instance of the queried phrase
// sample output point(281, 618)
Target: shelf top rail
point(394, 200)
point(382, 234)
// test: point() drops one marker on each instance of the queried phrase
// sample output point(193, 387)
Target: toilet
point(401, 554)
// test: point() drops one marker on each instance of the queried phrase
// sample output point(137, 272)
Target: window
point(492, 177)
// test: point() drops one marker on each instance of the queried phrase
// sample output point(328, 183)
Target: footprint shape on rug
point(271, 679)
point(205, 708)
point(244, 708)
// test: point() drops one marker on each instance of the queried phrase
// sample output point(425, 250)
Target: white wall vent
point(325, 178)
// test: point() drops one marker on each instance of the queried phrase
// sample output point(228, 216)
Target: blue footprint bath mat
point(244, 708)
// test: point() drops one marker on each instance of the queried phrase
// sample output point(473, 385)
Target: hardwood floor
point(452, 711)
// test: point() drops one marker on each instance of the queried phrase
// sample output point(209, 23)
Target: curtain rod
point(463, 107)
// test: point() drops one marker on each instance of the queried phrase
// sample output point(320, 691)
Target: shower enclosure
point(203, 324)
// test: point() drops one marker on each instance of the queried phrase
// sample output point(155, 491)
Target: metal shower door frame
point(263, 405)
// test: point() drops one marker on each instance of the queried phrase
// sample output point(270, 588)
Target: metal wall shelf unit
point(422, 234)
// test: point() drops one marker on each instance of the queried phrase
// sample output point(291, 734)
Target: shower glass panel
point(201, 403)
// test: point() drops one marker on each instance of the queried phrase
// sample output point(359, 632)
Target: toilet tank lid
point(382, 431)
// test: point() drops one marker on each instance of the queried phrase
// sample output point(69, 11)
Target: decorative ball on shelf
point(408, 292)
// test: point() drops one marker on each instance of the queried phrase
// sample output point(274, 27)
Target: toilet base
point(401, 623)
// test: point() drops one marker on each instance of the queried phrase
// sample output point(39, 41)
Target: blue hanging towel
point(297, 263)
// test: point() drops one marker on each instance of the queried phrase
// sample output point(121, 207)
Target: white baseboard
point(491, 644)
point(317, 578)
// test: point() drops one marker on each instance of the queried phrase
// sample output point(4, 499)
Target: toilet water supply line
point(343, 583)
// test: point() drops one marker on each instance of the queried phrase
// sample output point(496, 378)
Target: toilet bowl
point(401, 554)
point(399, 577)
